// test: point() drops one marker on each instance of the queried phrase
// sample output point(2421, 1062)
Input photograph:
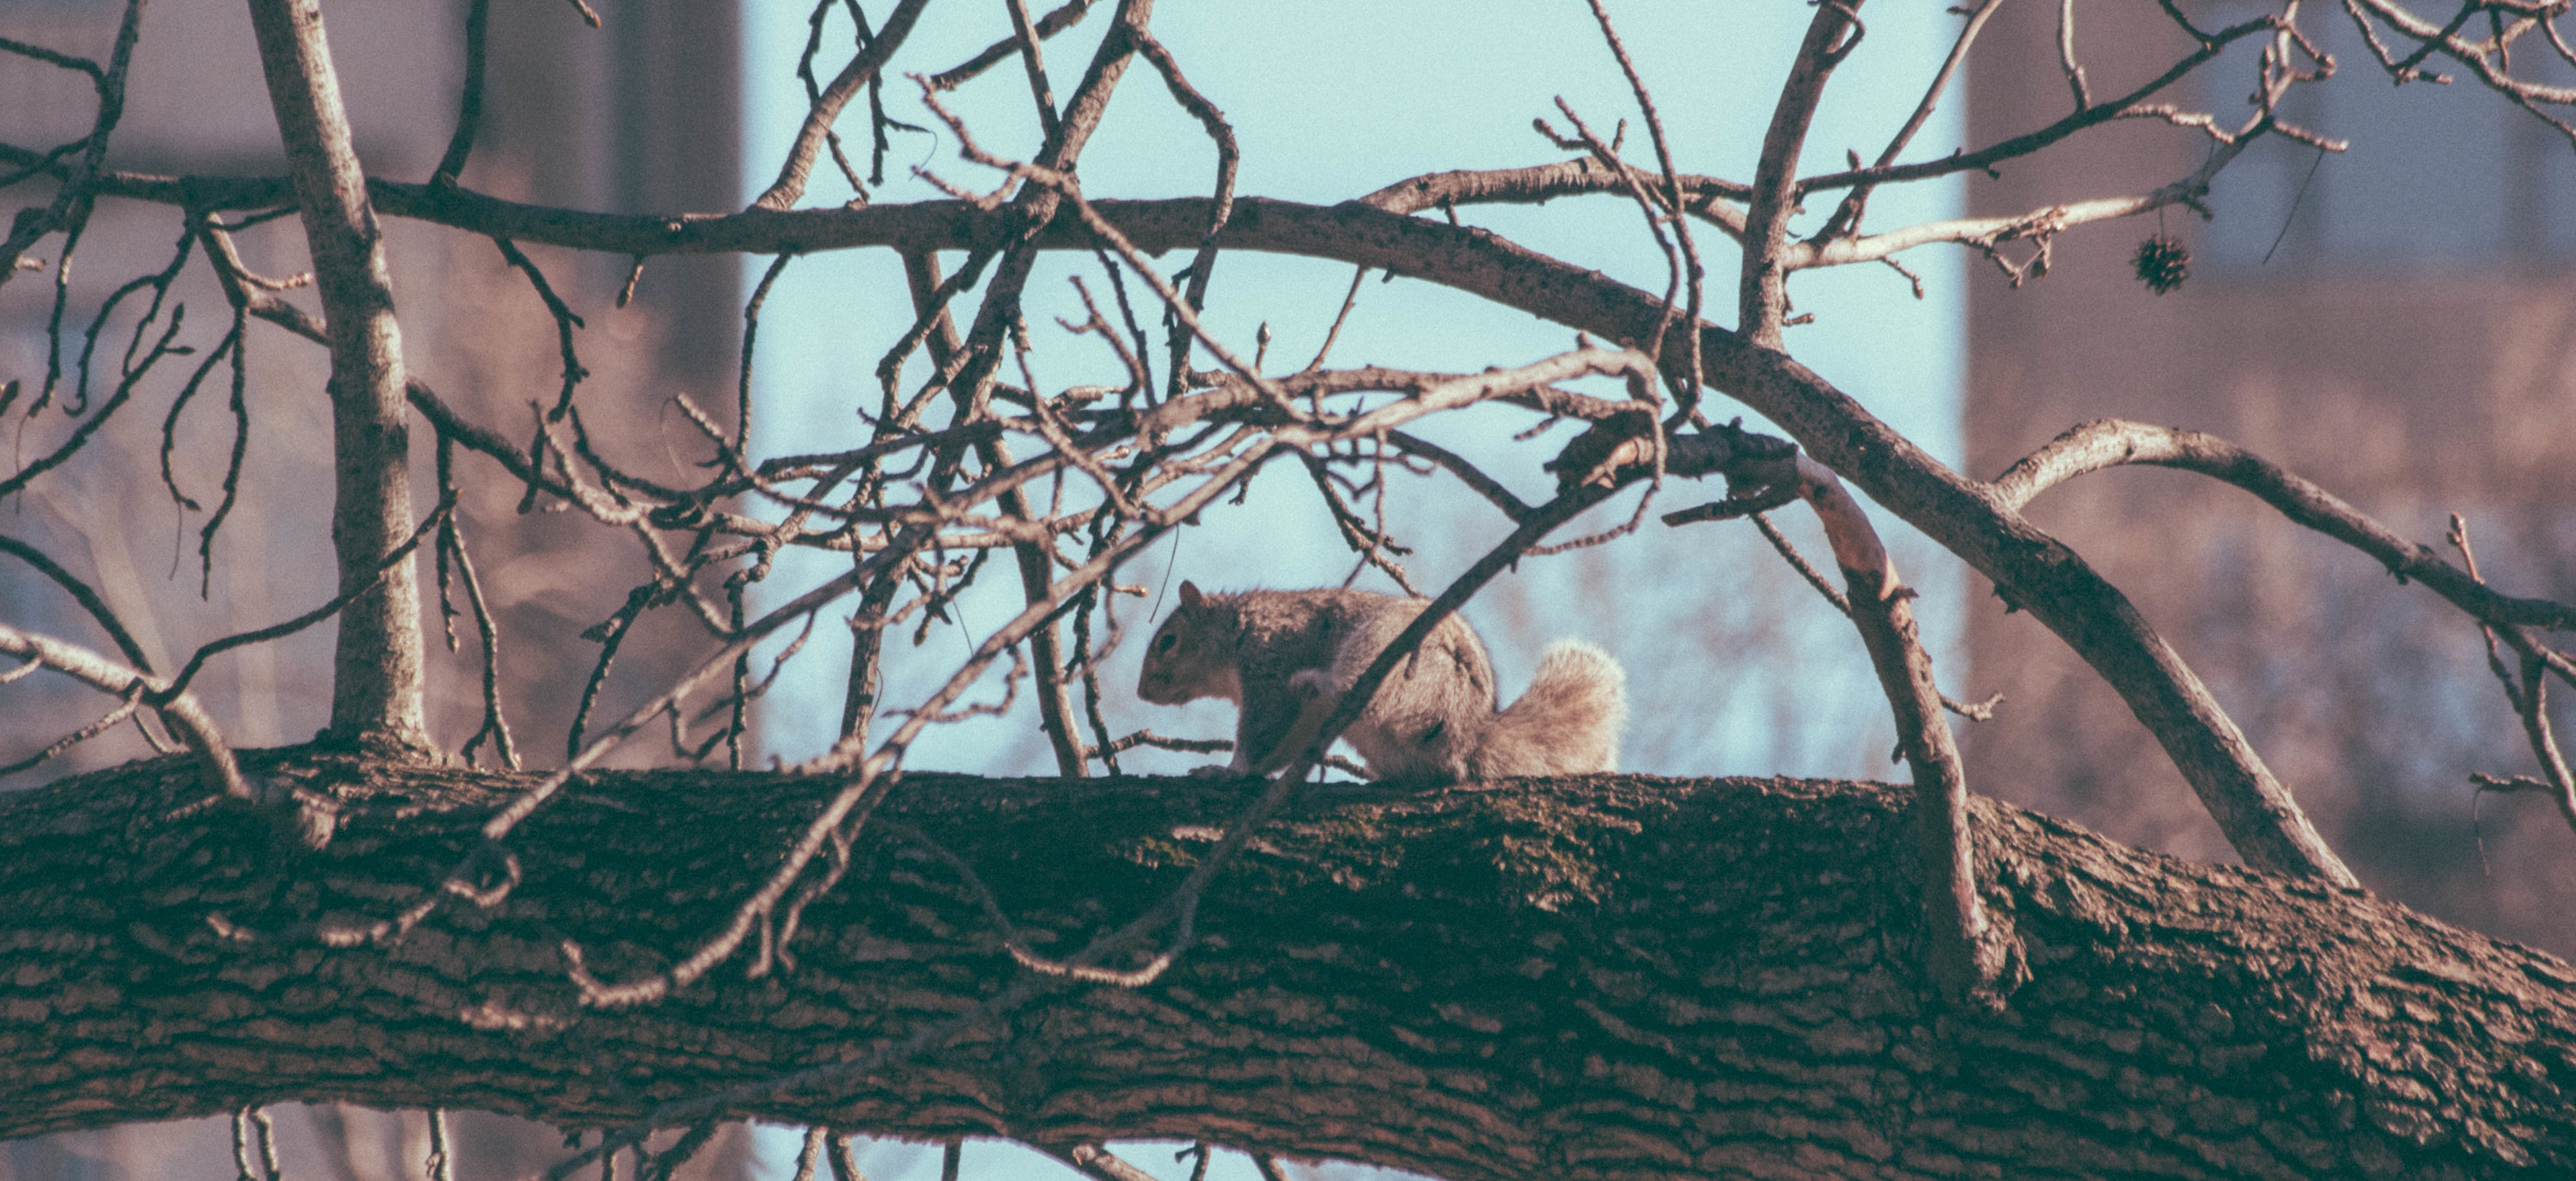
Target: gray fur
point(1286, 657)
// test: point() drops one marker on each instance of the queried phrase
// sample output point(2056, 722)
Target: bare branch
point(1683, 259)
point(126, 709)
point(565, 321)
point(1094, 1161)
point(2485, 59)
point(2111, 442)
point(469, 103)
point(1762, 297)
point(2022, 145)
point(70, 206)
point(1228, 157)
point(337, 604)
point(843, 1166)
point(1467, 473)
point(1541, 183)
point(2529, 697)
point(2037, 571)
point(1055, 22)
point(440, 1166)
point(451, 546)
point(1967, 956)
point(80, 592)
point(1847, 217)
point(180, 711)
point(2066, 55)
point(863, 67)
point(1034, 58)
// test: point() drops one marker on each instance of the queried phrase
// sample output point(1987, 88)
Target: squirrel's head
point(1185, 660)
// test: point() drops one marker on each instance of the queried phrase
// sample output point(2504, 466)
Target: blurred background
point(2397, 323)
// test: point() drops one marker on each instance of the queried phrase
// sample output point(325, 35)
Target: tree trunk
point(376, 685)
point(1596, 977)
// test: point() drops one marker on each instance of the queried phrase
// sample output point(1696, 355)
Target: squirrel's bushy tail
point(1568, 723)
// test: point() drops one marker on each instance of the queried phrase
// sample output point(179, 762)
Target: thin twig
point(441, 1165)
point(469, 104)
point(1049, 25)
point(819, 116)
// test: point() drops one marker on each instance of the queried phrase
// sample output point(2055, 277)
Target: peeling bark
point(1596, 977)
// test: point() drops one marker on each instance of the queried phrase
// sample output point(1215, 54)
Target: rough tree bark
point(1614, 976)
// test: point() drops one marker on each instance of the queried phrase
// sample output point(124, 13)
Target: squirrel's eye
point(1164, 642)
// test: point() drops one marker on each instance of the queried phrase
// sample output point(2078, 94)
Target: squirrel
point(1286, 657)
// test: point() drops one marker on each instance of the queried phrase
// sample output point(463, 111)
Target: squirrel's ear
point(1189, 595)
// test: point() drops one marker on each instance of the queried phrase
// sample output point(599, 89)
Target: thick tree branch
point(1576, 979)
